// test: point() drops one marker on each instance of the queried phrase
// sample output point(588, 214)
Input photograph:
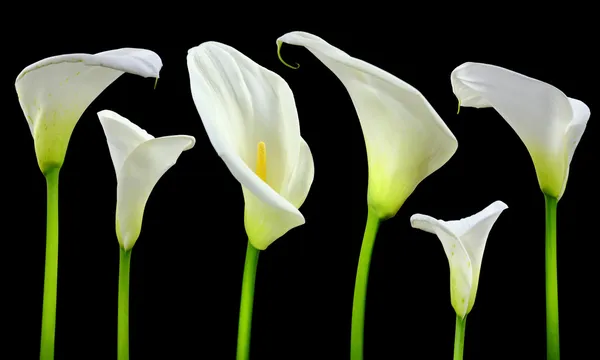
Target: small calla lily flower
point(54, 93)
point(406, 139)
point(140, 160)
point(463, 241)
point(250, 116)
point(549, 123)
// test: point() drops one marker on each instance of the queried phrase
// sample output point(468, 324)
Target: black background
point(187, 264)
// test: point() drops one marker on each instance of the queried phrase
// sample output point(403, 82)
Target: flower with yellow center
point(250, 116)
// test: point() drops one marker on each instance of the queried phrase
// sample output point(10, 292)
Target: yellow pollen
point(261, 161)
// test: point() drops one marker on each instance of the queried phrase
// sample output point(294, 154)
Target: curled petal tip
point(419, 221)
point(192, 142)
point(279, 44)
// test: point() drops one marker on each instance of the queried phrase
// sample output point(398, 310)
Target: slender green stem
point(246, 303)
point(123, 312)
point(552, 338)
point(459, 337)
point(360, 286)
point(51, 270)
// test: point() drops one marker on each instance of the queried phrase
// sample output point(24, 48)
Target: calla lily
point(250, 116)
point(140, 160)
point(549, 123)
point(463, 241)
point(54, 93)
point(406, 139)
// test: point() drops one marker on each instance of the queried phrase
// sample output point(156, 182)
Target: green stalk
point(459, 337)
point(360, 286)
point(552, 338)
point(123, 312)
point(246, 303)
point(51, 266)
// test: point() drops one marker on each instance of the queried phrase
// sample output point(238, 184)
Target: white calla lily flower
point(250, 116)
point(463, 241)
point(549, 123)
point(140, 160)
point(406, 140)
point(54, 93)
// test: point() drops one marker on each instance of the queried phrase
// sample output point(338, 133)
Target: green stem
point(360, 286)
point(459, 337)
point(51, 267)
point(552, 338)
point(246, 303)
point(123, 312)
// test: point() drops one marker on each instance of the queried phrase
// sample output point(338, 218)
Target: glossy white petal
point(122, 136)
point(55, 91)
point(242, 104)
point(140, 160)
point(406, 140)
point(300, 179)
point(549, 123)
point(464, 242)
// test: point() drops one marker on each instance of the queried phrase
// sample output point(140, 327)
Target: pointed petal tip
point(464, 66)
point(301, 218)
point(105, 113)
point(422, 222)
point(499, 205)
point(581, 111)
point(192, 141)
point(109, 115)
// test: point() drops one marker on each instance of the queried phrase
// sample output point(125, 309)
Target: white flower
point(139, 160)
point(406, 140)
point(54, 93)
point(250, 117)
point(549, 123)
point(463, 241)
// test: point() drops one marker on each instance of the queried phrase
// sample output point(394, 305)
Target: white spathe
point(549, 123)
point(54, 93)
point(406, 140)
point(140, 160)
point(242, 104)
point(463, 241)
